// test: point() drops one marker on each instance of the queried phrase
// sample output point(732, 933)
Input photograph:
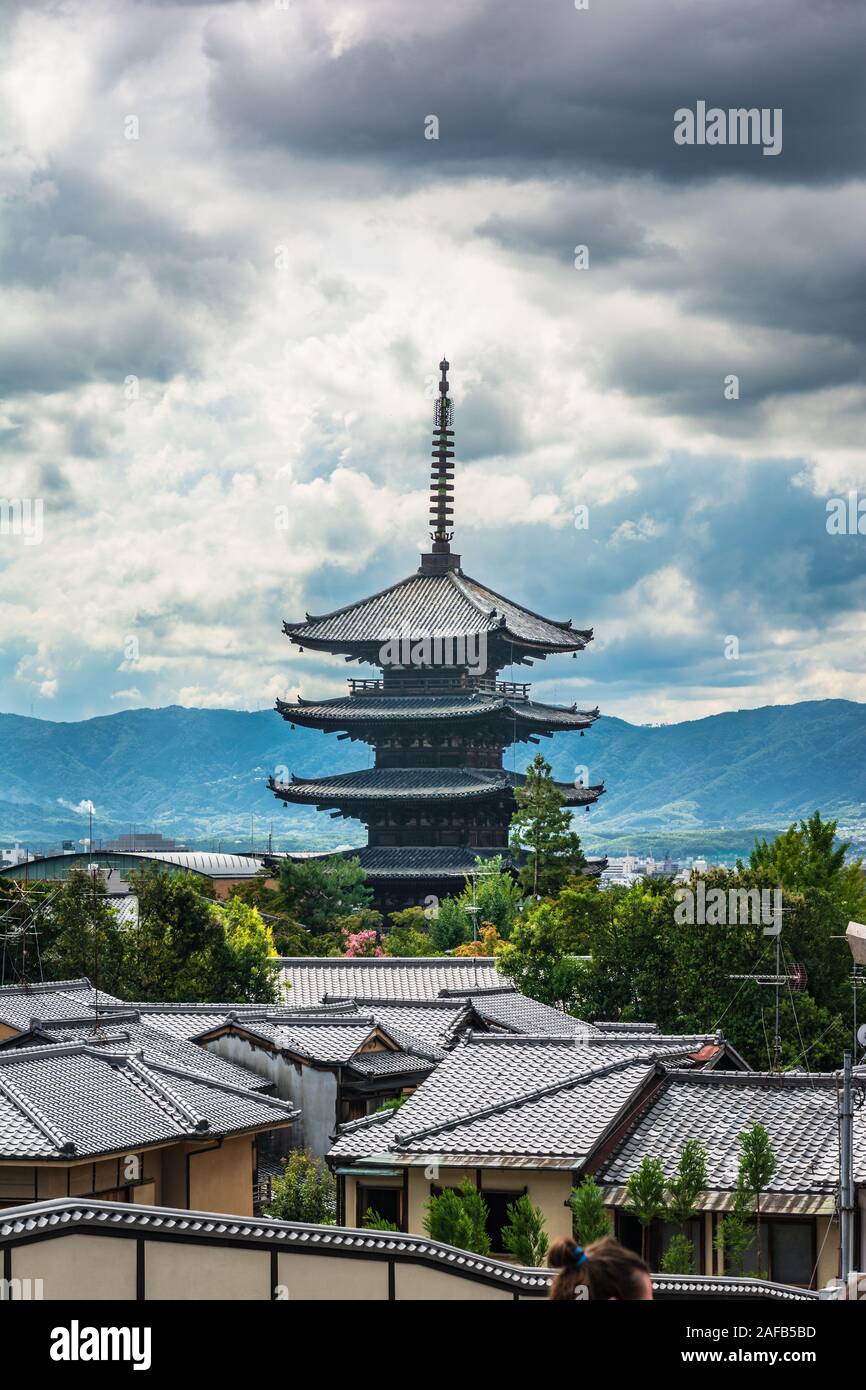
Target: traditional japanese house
point(437, 718)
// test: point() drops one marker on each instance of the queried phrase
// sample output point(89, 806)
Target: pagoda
point(437, 797)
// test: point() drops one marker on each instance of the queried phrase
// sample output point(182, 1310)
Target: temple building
point(439, 721)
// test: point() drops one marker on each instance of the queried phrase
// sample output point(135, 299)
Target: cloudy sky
point(231, 261)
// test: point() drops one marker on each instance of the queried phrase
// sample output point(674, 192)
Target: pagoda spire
point(442, 468)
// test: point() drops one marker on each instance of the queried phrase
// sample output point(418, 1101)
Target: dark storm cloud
point(598, 218)
point(516, 85)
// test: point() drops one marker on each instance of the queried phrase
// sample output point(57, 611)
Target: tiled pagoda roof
point(448, 604)
point(365, 708)
point(418, 784)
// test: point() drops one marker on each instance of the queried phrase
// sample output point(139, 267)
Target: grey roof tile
point(71, 1100)
point(54, 999)
point(418, 783)
point(449, 604)
point(317, 979)
point(799, 1113)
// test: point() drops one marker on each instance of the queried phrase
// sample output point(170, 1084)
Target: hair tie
point(580, 1256)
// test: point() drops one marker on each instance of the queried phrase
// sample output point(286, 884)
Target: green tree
point(735, 1231)
point(688, 1183)
point(178, 934)
point(684, 1190)
point(316, 891)
point(541, 829)
point(84, 936)
point(243, 965)
point(679, 1258)
point(496, 896)
point(523, 1235)
point(408, 934)
point(450, 925)
point(305, 1191)
point(808, 856)
point(645, 1196)
point(646, 964)
point(374, 1222)
point(590, 1219)
point(458, 1218)
point(290, 937)
point(756, 1168)
point(536, 958)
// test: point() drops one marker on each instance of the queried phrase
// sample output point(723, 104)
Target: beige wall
point(79, 1266)
point(548, 1190)
point(87, 1267)
point(177, 1271)
point(314, 1277)
point(221, 1179)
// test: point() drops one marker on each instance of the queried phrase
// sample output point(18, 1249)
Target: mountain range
point(199, 775)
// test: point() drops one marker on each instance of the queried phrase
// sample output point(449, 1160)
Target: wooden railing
point(441, 685)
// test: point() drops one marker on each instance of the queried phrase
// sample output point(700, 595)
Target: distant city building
point(627, 869)
point(16, 855)
point(141, 840)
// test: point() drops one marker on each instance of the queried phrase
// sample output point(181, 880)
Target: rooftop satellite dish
point(861, 1035)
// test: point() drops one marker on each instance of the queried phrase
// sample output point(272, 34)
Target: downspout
point(191, 1154)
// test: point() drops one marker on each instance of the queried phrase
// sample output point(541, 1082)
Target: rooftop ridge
point(214, 1083)
point(71, 1020)
point(386, 962)
point(765, 1080)
point(140, 1074)
point(451, 1004)
point(45, 986)
point(23, 1103)
point(517, 1102)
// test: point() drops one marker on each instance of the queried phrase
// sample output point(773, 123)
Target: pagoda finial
point(442, 468)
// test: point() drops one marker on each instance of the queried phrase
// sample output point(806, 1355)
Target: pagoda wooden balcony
point(439, 685)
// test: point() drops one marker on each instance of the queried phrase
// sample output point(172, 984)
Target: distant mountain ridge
point(200, 774)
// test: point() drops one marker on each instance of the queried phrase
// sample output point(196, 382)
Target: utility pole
point(846, 1182)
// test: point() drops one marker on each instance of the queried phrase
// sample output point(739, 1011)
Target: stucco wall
point(79, 1266)
point(221, 1179)
point(310, 1090)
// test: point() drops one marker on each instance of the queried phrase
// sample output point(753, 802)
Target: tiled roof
point(433, 1024)
point(516, 1013)
point(799, 1113)
point(422, 861)
point(75, 1101)
point(317, 979)
point(368, 708)
point(448, 604)
point(390, 1063)
point(417, 783)
point(499, 1097)
point(124, 1032)
point(56, 999)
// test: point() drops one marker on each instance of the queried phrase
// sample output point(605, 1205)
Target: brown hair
point(605, 1269)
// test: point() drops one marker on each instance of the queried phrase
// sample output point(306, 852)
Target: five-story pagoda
point(437, 797)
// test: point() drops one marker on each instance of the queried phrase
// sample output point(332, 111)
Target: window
point(669, 1229)
point(387, 1202)
point(792, 1256)
point(497, 1216)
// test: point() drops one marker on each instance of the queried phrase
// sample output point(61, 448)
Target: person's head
point(605, 1269)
